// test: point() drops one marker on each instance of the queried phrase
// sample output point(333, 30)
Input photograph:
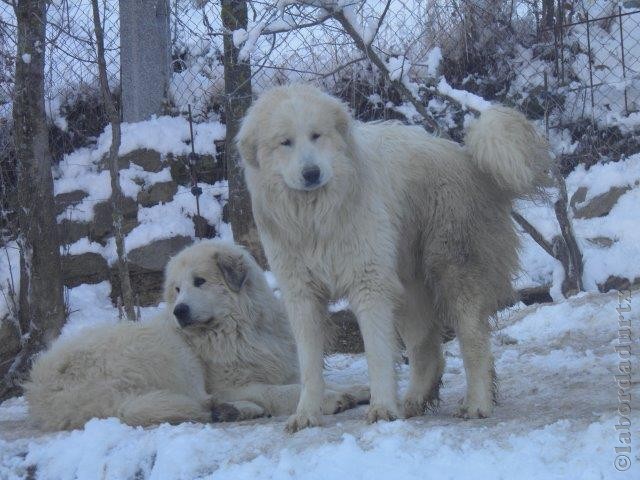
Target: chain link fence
point(571, 64)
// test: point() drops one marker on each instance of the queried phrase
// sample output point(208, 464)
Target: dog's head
point(298, 138)
point(207, 284)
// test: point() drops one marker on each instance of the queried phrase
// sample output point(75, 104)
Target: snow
point(80, 170)
point(434, 57)
point(556, 419)
point(26, 58)
point(464, 98)
point(250, 41)
point(620, 225)
point(398, 67)
point(601, 177)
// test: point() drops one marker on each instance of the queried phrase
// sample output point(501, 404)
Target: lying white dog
point(405, 225)
point(223, 338)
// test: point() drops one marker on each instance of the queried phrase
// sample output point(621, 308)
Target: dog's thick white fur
point(228, 341)
point(406, 226)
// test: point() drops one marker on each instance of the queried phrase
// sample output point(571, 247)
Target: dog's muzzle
point(182, 312)
point(311, 176)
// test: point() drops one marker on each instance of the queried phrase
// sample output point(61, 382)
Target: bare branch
point(429, 123)
point(534, 233)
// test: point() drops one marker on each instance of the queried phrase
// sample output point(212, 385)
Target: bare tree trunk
point(41, 304)
point(237, 86)
point(117, 198)
point(548, 11)
point(563, 247)
point(566, 246)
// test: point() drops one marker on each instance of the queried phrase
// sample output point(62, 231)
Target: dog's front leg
point(374, 312)
point(307, 318)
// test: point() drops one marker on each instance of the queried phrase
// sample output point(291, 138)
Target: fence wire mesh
point(572, 64)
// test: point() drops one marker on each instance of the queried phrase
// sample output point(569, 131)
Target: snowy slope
point(556, 419)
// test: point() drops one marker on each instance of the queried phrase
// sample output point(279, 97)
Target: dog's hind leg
point(161, 406)
point(420, 332)
point(473, 332)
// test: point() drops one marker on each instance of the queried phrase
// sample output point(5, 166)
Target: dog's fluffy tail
point(505, 145)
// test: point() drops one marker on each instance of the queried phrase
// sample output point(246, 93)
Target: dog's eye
point(198, 281)
point(286, 143)
point(315, 136)
point(178, 289)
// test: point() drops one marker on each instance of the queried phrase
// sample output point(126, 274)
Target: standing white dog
point(403, 224)
point(223, 337)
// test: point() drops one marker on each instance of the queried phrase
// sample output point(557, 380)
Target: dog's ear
point(246, 140)
point(233, 269)
point(169, 292)
point(342, 118)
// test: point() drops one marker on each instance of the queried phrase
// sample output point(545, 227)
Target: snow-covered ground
point(557, 418)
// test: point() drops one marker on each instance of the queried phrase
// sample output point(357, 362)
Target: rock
point(203, 228)
point(149, 160)
point(579, 196)
point(155, 255)
point(87, 267)
point(600, 205)
point(161, 192)
point(123, 162)
point(531, 295)
point(603, 242)
point(618, 283)
point(102, 225)
point(68, 199)
point(70, 232)
point(147, 286)
point(207, 168)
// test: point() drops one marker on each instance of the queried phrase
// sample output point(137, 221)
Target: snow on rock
point(80, 170)
point(169, 219)
point(599, 178)
point(556, 419)
point(621, 226)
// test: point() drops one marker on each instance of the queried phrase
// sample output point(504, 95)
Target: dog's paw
point(381, 412)
point(336, 402)
point(416, 405)
point(345, 402)
point(298, 421)
point(248, 410)
point(473, 410)
point(224, 412)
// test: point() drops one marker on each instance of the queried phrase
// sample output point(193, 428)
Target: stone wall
point(146, 262)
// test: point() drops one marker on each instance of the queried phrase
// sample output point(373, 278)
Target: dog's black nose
point(311, 176)
point(183, 314)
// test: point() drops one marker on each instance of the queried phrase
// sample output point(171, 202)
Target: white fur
point(407, 226)
point(238, 350)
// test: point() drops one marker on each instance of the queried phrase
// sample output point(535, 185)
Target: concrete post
point(145, 57)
